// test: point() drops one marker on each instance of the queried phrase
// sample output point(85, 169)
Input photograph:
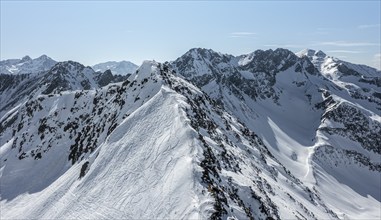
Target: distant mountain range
point(43, 63)
point(26, 65)
point(266, 135)
point(118, 68)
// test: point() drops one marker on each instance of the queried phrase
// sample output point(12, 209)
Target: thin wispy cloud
point(326, 28)
point(329, 29)
point(366, 26)
point(314, 33)
point(242, 34)
point(345, 51)
point(347, 44)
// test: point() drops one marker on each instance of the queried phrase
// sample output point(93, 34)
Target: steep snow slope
point(117, 68)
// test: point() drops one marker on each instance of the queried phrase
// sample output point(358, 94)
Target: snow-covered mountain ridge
point(263, 135)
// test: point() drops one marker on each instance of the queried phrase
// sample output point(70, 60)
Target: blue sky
point(92, 32)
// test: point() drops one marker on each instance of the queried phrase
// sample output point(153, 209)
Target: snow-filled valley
point(267, 135)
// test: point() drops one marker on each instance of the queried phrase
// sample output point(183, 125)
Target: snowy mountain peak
point(199, 50)
point(117, 68)
point(334, 68)
point(202, 51)
point(305, 52)
point(43, 57)
point(283, 52)
point(320, 53)
point(311, 53)
point(268, 61)
point(26, 59)
point(207, 55)
point(147, 69)
point(69, 75)
point(273, 55)
point(205, 58)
